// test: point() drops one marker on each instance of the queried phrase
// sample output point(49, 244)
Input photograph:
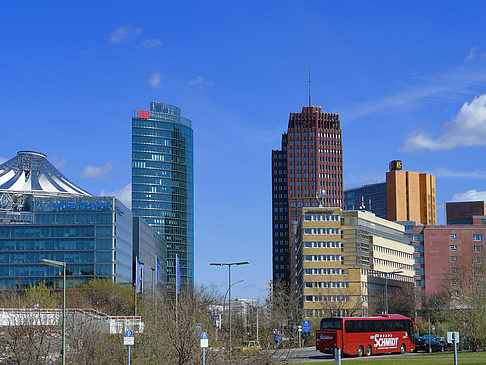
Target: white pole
point(257, 322)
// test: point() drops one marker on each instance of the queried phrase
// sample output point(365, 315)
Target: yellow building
point(410, 196)
point(343, 258)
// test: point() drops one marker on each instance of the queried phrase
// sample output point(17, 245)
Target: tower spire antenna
point(309, 89)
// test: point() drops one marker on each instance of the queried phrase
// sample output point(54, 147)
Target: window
point(452, 236)
point(453, 270)
point(478, 260)
point(419, 260)
point(478, 248)
point(454, 282)
point(453, 247)
point(453, 258)
point(478, 237)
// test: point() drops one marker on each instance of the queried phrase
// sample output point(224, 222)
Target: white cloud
point(58, 162)
point(96, 172)
point(474, 54)
point(453, 84)
point(444, 172)
point(466, 129)
point(124, 33)
point(124, 195)
point(201, 81)
point(470, 195)
point(152, 43)
point(155, 79)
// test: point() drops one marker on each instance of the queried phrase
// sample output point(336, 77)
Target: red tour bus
point(369, 335)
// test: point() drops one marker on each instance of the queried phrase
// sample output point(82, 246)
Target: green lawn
point(468, 358)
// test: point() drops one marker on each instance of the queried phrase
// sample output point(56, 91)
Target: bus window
point(360, 326)
point(389, 325)
point(349, 326)
point(331, 324)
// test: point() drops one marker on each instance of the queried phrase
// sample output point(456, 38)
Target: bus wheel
point(360, 351)
point(368, 350)
point(403, 349)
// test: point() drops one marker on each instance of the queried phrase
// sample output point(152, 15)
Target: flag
point(178, 275)
point(138, 275)
point(158, 270)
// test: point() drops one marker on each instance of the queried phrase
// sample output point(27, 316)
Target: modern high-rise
point(309, 161)
point(371, 198)
point(162, 182)
point(410, 196)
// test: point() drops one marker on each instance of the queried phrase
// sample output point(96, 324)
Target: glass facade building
point(368, 197)
point(93, 235)
point(162, 182)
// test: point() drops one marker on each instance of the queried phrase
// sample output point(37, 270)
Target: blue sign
point(204, 335)
point(305, 326)
point(82, 205)
point(128, 333)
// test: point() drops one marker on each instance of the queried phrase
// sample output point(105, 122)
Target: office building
point(309, 161)
point(43, 215)
point(162, 182)
point(410, 196)
point(344, 259)
point(371, 198)
point(464, 212)
point(442, 253)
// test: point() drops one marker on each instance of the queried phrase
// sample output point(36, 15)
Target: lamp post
point(63, 265)
point(225, 294)
point(229, 290)
point(396, 271)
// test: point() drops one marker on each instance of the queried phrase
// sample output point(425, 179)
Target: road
point(310, 354)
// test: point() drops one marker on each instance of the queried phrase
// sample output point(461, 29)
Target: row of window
point(326, 298)
point(321, 217)
point(477, 259)
point(477, 248)
point(327, 284)
point(322, 257)
point(322, 230)
point(390, 251)
point(313, 134)
point(477, 237)
point(325, 271)
point(322, 244)
point(395, 264)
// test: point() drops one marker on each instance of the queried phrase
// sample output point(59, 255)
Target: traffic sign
point(452, 337)
point(129, 333)
point(128, 341)
point(204, 342)
point(305, 326)
point(204, 335)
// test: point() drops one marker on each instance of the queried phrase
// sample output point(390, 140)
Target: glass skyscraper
point(162, 182)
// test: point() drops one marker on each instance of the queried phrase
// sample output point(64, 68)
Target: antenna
point(309, 89)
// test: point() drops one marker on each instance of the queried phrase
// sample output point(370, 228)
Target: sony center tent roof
point(31, 173)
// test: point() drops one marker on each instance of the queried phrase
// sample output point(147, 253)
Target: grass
point(467, 358)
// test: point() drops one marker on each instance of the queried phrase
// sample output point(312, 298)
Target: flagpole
point(136, 278)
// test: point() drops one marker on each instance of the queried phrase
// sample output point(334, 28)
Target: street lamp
point(229, 290)
point(225, 294)
point(396, 271)
point(63, 265)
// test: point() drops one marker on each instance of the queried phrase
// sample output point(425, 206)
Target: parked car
point(249, 347)
point(422, 344)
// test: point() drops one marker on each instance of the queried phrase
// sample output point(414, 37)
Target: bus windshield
point(331, 324)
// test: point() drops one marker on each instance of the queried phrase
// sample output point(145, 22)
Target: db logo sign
point(143, 114)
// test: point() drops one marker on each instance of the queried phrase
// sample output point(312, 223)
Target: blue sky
point(408, 79)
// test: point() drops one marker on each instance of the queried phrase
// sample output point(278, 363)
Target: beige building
point(343, 258)
point(410, 196)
